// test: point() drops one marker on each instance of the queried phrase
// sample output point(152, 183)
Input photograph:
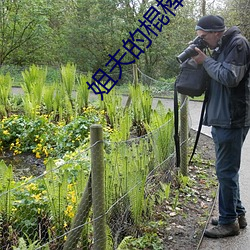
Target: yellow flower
point(14, 209)
point(17, 152)
point(73, 199)
point(31, 187)
point(45, 151)
point(37, 196)
point(69, 211)
point(38, 156)
point(6, 132)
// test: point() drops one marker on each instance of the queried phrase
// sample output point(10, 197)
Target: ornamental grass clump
point(82, 93)
point(34, 80)
point(5, 91)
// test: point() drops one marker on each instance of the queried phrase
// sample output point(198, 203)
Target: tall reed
point(161, 132)
point(56, 184)
point(112, 105)
point(141, 106)
point(33, 86)
point(82, 93)
point(5, 90)
point(68, 74)
point(6, 184)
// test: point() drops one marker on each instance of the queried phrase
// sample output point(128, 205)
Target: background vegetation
point(85, 32)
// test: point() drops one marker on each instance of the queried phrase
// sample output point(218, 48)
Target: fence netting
point(55, 204)
point(42, 209)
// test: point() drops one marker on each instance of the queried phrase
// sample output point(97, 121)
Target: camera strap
point(199, 127)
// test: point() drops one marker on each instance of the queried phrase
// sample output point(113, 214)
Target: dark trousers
point(228, 145)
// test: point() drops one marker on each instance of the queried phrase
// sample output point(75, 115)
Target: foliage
point(6, 184)
point(147, 241)
point(22, 245)
point(34, 81)
point(45, 138)
point(45, 206)
point(113, 108)
point(5, 90)
point(45, 32)
point(141, 106)
point(82, 97)
point(30, 204)
point(51, 201)
point(22, 23)
point(68, 73)
point(162, 140)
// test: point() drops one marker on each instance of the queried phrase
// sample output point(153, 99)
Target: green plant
point(23, 134)
point(161, 126)
point(30, 208)
point(126, 173)
point(176, 199)
point(56, 187)
point(164, 191)
point(33, 85)
point(141, 104)
point(111, 104)
point(28, 245)
point(48, 98)
point(5, 90)
point(68, 74)
point(82, 93)
point(184, 181)
point(6, 184)
point(147, 241)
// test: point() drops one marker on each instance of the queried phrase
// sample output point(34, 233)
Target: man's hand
point(200, 58)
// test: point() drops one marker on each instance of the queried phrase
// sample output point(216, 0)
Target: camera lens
point(187, 53)
point(190, 51)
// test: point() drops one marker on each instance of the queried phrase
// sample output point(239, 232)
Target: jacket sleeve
point(234, 66)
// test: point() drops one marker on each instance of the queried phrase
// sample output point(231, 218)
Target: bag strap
point(176, 126)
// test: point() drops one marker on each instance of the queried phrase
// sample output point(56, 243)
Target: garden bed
point(186, 224)
point(178, 222)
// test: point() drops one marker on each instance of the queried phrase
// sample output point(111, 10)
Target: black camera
point(190, 51)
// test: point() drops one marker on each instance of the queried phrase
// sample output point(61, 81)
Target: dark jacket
point(228, 103)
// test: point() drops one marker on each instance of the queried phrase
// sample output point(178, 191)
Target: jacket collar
point(231, 32)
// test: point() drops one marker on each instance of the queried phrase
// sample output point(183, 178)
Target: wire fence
point(42, 209)
point(56, 210)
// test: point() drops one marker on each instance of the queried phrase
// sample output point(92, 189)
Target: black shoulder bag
point(191, 81)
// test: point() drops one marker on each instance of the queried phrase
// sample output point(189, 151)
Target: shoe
point(221, 231)
point(241, 219)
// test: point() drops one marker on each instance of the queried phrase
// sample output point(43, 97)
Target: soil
point(186, 223)
point(25, 164)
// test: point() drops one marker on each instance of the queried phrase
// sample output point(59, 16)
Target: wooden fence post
point(135, 74)
point(98, 194)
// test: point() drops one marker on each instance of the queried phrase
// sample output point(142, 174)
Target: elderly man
point(228, 112)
